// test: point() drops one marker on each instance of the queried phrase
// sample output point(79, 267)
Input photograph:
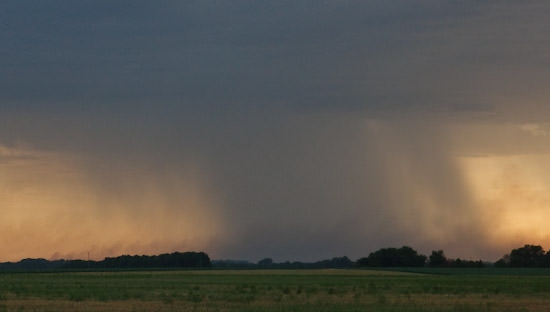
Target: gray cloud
point(318, 128)
point(356, 55)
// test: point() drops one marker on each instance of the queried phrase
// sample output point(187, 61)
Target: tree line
point(408, 257)
point(385, 257)
point(168, 260)
point(171, 260)
point(526, 256)
point(268, 263)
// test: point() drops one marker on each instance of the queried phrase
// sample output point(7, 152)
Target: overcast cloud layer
point(297, 130)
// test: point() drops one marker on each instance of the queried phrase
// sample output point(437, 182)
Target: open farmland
point(277, 290)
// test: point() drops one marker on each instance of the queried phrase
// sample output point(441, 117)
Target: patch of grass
point(273, 290)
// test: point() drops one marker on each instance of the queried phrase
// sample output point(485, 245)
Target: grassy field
point(278, 290)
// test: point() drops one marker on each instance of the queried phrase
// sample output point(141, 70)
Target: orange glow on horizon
point(51, 208)
point(513, 196)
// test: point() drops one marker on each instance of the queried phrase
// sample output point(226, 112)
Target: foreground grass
point(273, 290)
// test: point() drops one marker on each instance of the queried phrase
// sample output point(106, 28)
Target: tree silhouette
point(265, 262)
point(437, 259)
point(393, 257)
point(528, 256)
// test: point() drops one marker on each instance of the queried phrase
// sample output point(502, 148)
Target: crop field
point(278, 290)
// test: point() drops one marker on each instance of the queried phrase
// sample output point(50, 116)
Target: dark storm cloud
point(336, 55)
point(321, 127)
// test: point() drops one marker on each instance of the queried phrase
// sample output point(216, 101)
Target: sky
point(296, 130)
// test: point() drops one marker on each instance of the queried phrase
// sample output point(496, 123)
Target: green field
point(278, 290)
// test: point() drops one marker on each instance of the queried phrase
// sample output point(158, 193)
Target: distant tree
point(410, 257)
point(459, 263)
point(546, 260)
point(33, 264)
point(341, 262)
point(393, 257)
point(335, 263)
point(265, 262)
point(503, 262)
point(527, 256)
point(362, 262)
point(437, 259)
point(233, 263)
